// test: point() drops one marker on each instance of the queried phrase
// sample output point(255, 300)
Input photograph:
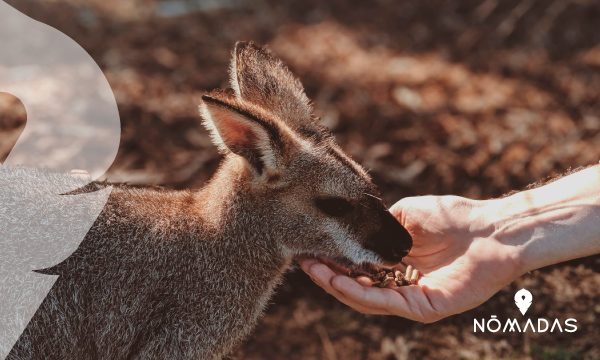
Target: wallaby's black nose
point(392, 242)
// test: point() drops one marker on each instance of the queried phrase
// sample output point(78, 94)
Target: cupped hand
point(461, 262)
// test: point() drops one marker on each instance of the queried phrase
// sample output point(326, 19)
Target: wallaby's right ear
point(238, 130)
point(260, 78)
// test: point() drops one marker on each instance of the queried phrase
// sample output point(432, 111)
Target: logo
point(72, 124)
point(523, 300)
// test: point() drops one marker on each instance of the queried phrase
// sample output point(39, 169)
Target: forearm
point(550, 224)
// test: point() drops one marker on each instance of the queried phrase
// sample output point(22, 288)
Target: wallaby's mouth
point(345, 266)
point(392, 242)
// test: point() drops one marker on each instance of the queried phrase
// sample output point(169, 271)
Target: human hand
point(462, 263)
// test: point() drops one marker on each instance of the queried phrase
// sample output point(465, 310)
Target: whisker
point(373, 196)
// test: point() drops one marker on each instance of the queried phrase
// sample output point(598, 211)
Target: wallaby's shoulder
point(146, 200)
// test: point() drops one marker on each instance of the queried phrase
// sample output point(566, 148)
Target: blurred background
point(473, 98)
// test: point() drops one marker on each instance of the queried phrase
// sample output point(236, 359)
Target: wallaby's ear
point(258, 77)
point(238, 130)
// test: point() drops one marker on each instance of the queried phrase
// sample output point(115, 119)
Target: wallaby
point(186, 274)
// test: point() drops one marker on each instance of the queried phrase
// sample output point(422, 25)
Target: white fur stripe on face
point(348, 244)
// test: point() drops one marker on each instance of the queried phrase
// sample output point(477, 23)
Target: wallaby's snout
point(391, 242)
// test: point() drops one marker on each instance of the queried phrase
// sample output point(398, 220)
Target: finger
point(371, 297)
point(364, 281)
point(323, 276)
point(321, 273)
point(305, 264)
point(418, 302)
point(355, 305)
point(407, 301)
point(341, 283)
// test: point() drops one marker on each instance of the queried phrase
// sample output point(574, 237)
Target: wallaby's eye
point(334, 206)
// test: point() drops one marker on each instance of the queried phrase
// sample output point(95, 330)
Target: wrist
point(503, 221)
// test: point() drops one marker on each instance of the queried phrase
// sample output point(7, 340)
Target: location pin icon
point(523, 299)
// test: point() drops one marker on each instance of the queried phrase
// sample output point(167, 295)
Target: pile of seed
point(390, 277)
point(385, 277)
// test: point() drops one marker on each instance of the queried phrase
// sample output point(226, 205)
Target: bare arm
point(553, 223)
point(468, 250)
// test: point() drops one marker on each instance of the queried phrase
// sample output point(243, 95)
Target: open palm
point(461, 262)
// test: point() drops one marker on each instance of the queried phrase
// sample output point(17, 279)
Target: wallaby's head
point(324, 203)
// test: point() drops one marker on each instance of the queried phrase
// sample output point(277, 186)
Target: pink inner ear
point(235, 130)
point(238, 134)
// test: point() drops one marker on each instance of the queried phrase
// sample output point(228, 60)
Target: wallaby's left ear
point(238, 130)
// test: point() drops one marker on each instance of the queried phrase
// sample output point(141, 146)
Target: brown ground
point(473, 98)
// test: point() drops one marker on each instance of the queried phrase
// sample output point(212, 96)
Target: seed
point(414, 276)
point(387, 282)
point(408, 272)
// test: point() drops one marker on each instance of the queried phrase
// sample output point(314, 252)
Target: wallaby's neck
point(238, 214)
point(228, 211)
point(233, 209)
point(220, 199)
